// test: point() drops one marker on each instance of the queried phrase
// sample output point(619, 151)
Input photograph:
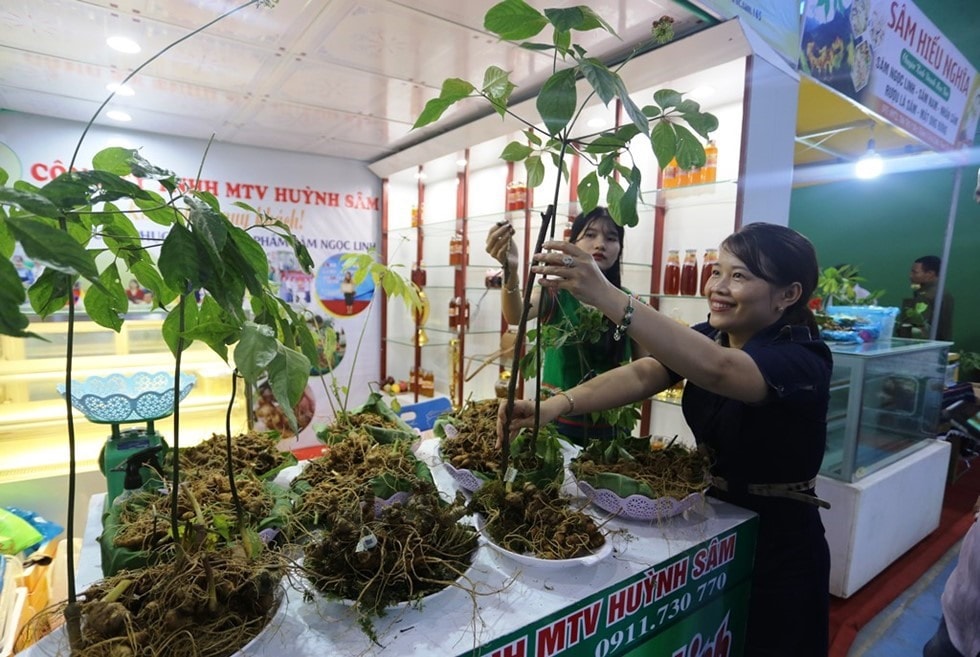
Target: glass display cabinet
point(885, 400)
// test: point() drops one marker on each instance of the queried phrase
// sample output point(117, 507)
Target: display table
point(669, 588)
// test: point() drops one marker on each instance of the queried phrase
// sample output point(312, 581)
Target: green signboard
point(692, 605)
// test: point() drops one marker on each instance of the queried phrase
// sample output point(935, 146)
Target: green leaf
point(606, 164)
point(54, 247)
point(289, 373)
point(636, 115)
point(515, 151)
point(121, 236)
point(562, 40)
point(248, 258)
point(702, 123)
point(180, 262)
point(453, 90)
point(588, 192)
point(107, 304)
point(532, 137)
point(601, 78)
point(614, 197)
point(627, 204)
point(605, 143)
point(667, 98)
point(30, 201)
point(209, 225)
point(690, 152)
point(156, 209)
point(255, 350)
point(652, 111)
point(579, 18)
point(557, 100)
point(172, 334)
point(498, 88)
point(114, 159)
point(12, 320)
point(534, 168)
point(664, 142)
point(50, 292)
point(514, 20)
point(149, 277)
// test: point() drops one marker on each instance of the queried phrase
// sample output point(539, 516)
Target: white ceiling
point(342, 78)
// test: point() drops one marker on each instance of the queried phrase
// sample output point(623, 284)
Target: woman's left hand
point(570, 268)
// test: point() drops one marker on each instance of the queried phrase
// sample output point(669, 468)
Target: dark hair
point(781, 256)
point(614, 273)
point(930, 263)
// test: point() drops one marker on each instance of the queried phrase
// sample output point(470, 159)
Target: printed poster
point(332, 205)
point(888, 56)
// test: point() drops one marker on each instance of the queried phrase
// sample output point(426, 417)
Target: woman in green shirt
point(592, 346)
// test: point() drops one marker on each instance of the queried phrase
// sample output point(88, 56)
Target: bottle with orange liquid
point(670, 175)
point(710, 260)
point(689, 273)
point(709, 172)
point(672, 272)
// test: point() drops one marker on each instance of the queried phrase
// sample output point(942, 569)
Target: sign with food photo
point(891, 58)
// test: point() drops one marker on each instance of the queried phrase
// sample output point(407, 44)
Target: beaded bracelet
point(571, 402)
point(627, 318)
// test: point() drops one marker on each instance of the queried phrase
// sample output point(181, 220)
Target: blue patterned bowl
point(116, 399)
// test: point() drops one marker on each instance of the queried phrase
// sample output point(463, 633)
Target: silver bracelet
point(624, 325)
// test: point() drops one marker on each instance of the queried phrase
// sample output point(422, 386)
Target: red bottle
point(710, 260)
point(672, 272)
point(689, 273)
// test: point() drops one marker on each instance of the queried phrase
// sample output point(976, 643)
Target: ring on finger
point(567, 260)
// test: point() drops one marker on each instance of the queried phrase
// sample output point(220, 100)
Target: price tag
point(367, 542)
point(510, 475)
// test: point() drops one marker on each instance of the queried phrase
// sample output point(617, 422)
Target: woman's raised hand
point(501, 245)
point(570, 268)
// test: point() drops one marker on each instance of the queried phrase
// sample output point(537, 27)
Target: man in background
point(924, 277)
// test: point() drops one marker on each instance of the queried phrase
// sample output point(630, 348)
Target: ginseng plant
point(83, 214)
point(668, 126)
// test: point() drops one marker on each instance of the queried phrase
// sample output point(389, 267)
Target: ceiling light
point(461, 163)
point(120, 89)
point(702, 92)
point(597, 122)
point(870, 164)
point(123, 44)
point(117, 115)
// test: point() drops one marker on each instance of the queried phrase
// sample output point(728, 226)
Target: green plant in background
point(838, 286)
point(551, 136)
point(913, 321)
point(969, 365)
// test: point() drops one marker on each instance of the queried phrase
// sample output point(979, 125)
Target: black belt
point(794, 491)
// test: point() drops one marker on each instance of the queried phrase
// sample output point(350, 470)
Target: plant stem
point(239, 511)
point(547, 218)
point(175, 483)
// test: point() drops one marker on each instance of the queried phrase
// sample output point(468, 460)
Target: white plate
point(548, 564)
point(638, 507)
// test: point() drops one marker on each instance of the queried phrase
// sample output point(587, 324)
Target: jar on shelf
point(427, 384)
point(672, 272)
point(418, 274)
point(516, 196)
point(454, 312)
point(501, 386)
point(689, 273)
point(707, 266)
point(415, 216)
point(709, 172)
point(456, 249)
